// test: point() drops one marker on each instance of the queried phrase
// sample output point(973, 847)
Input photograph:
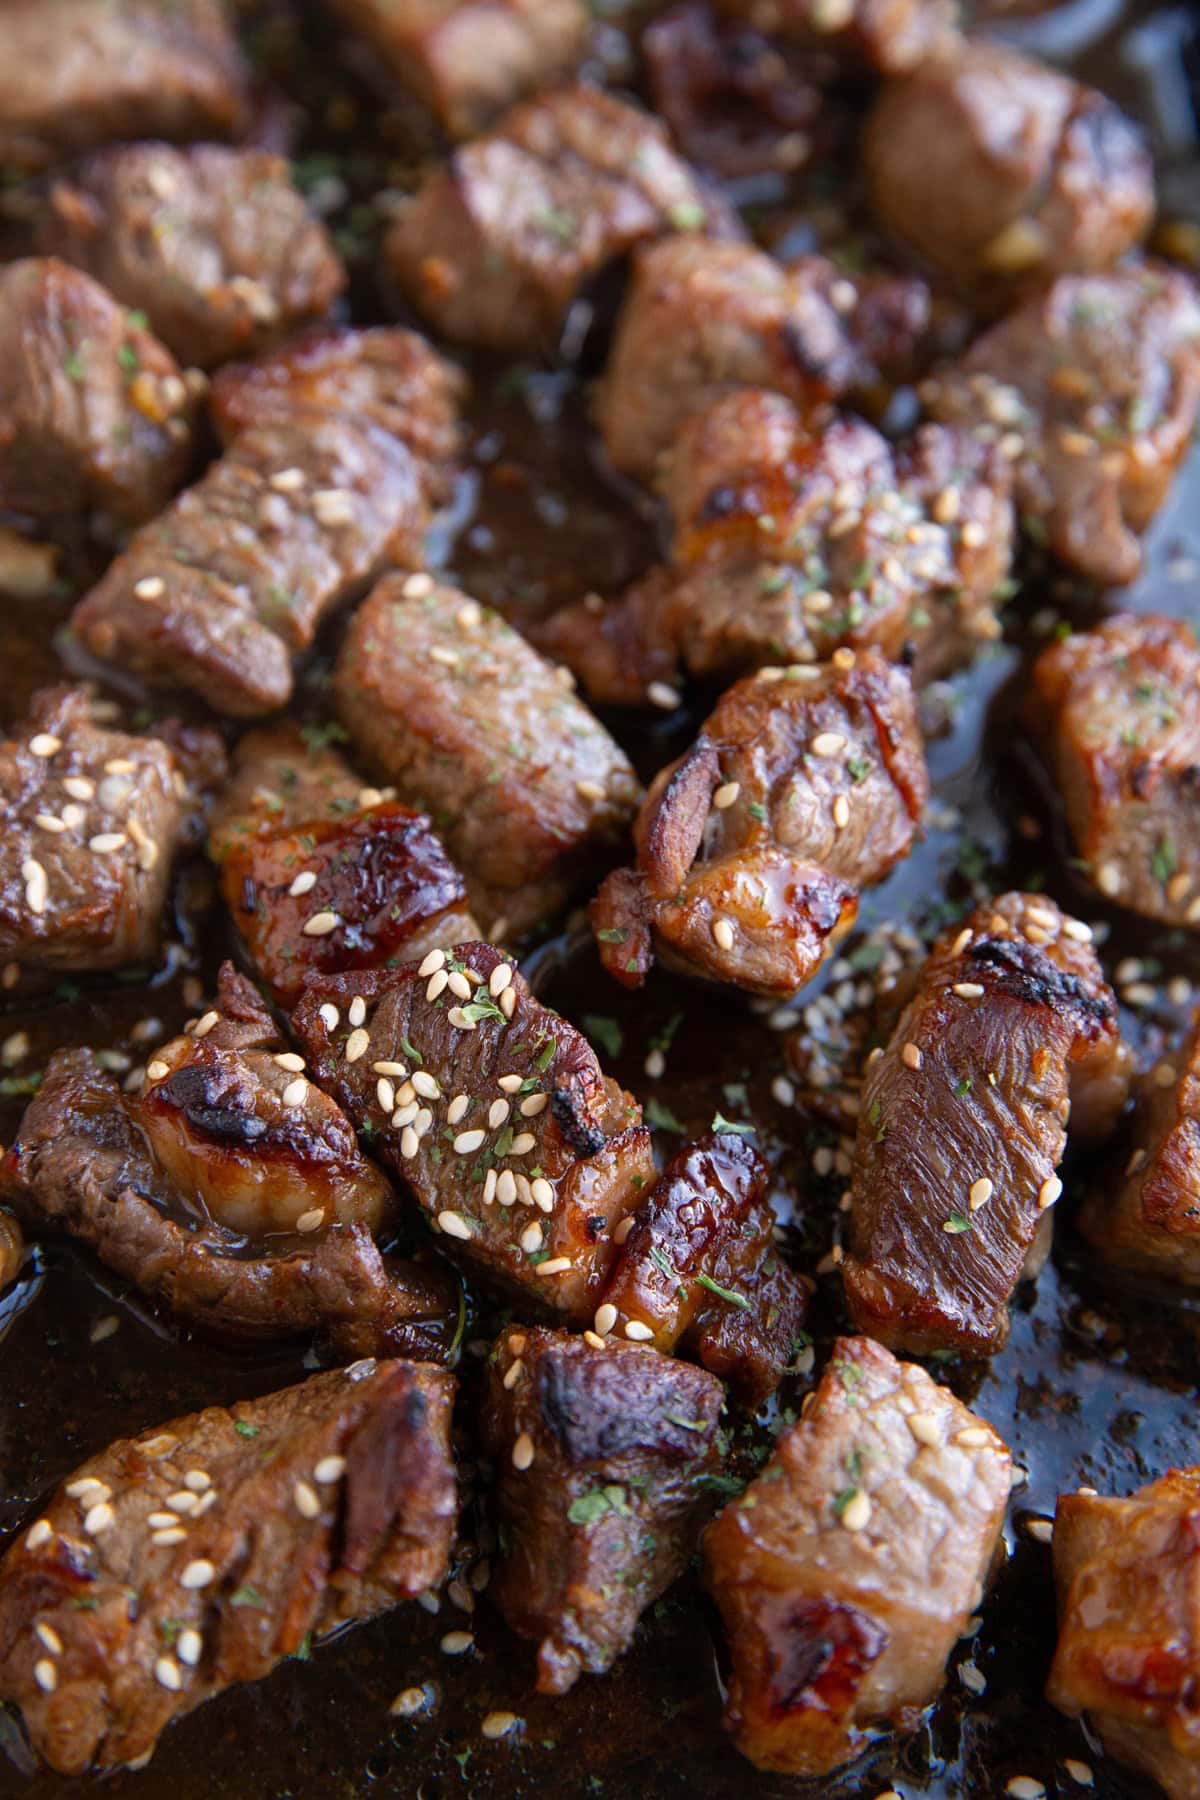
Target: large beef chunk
point(804, 785)
point(468, 59)
point(1002, 171)
point(699, 1270)
point(881, 35)
point(172, 1566)
point(963, 1122)
point(498, 243)
point(92, 819)
point(74, 75)
point(702, 318)
point(1092, 390)
point(1117, 711)
point(215, 246)
point(602, 1459)
point(494, 1112)
point(464, 718)
point(846, 1572)
point(95, 416)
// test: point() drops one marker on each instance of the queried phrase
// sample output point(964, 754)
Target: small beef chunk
point(499, 242)
point(12, 1249)
point(804, 785)
point(469, 59)
point(703, 318)
point(95, 416)
point(790, 544)
point(74, 75)
point(963, 1121)
point(92, 820)
point(604, 1455)
point(699, 1270)
point(215, 246)
point(1092, 389)
point(880, 35)
point(1003, 172)
point(1126, 1573)
point(848, 1570)
point(354, 883)
point(464, 718)
point(493, 1111)
point(1118, 712)
point(172, 1566)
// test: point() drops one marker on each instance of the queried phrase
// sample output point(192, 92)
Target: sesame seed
point(457, 1109)
point(722, 932)
point(590, 790)
point(329, 1016)
point(156, 1070)
point(198, 1480)
point(509, 1083)
point(197, 1574)
point(182, 1501)
point(39, 1533)
point(311, 1220)
point(87, 1484)
point(1075, 928)
point(321, 924)
point(522, 1452)
point(357, 1044)
point(1024, 1787)
point(498, 1112)
point(637, 1332)
point(426, 1086)
point(841, 812)
point(150, 587)
point(205, 1023)
point(660, 694)
point(606, 1318)
point(961, 941)
point(972, 1436)
point(1079, 1772)
point(417, 587)
point(533, 1105)
point(469, 1141)
point(1108, 879)
point(541, 1193)
point(926, 1428)
point(303, 884)
point(295, 1093)
point(79, 787)
point(499, 1724)
point(105, 842)
point(980, 1193)
point(99, 1518)
point(333, 506)
point(48, 1638)
point(433, 962)
point(166, 1673)
point(49, 822)
point(523, 1143)
point(44, 744)
point(45, 1674)
point(161, 1444)
point(500, 978)
point(856, 1514)
point(189, 1646)
point(557, 1265)
point(1041, 1530)
point(329, 1470)
point(828, 743)
point(508, 1002)
point(1049, 1192)
point(410, 1143)
point(409, 1702)
point(726, 795)
point(448, 659)
point(459, 985)
point(453, 1224)
point(389, 1068)
point(506, 1187)
point(489, 1187)
point(622, 1229)
point(531, 1238)
point(972, 1678)
point(437, 983)
point(34, 877)
point(205, 1501)
point(385, 1093)
point(172, 1535)
point(911, 1056)
point(356, 1012)
point(457, 1643)
point(287, 1059)
point(307, 1502)
point(968, 990)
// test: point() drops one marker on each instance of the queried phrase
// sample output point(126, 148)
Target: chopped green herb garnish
point(604, 1031)
point(730, 1294)
point(660, 1117)
point(721, 1123)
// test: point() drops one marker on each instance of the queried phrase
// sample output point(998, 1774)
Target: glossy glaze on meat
point(883, 35)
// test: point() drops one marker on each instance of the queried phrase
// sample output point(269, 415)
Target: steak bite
point(465, 719)
point(92, 820)
point(493, 1110)
point(1125, 1570)
point(804, 785)
point(702, 318)
point(699, 1271)
point(500, 241)
point(1118, 713)
point(95, 416)
point(1003, 172)
point(963, 1122)
point(880, 35)
point(847, 1571)
point(215, 246)
point(172, 1566)
point(74, 75)
point(469, 59)
point(603, 1456)
point(1092, 388)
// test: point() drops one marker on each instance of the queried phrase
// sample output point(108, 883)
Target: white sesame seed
point(162, 1521)
point(622, 1229)
point(660, 694)
point(1075, 928)
point(156, 1070)
point(181, 1501)
point(161, 1444)
point(48, 1638)
point(926, 1428)
point(408, 1703)
point(911, 1056)
point(329, 1470)
point(49, 822)
point(87, 1484)
point(856, 1514)
point(509, 1083)
point(198, 1480)
point(99, 1518)
point(722, 932)
point(105, 842)
point(498, 1112)
point(828, 743)
point(44, 744)
point(500, 978)
point(389, 1068)
point(189, 1646)
point(329, 1016)
point(1080, 1772)
point(637, 1332)
point(457, 1643)
point(287, 481)
point(1108, 879)
point(205, 1023)
point(174, 1535)
point(287, 1059)
point(448, 659)
point(968, 990)
point(841, 812)
point(726, 795)
point(296, 1092)
point(533, 1104)
point(1024, 1787)
point(79, 787)
point(506, 1187)
point(522, 1451)
point(590, 790)
point(150, 587)
point(311, 1220)
point(531, 1238)
point(321, 924)
point(197, 1574)
point(433, 962)
point(385, 1093)
point(417, 587)
point(523, 1143)
point(469, 1141)
point(499, 1724)
point(454, 1225)
point(508, 1002)
point(39, 1533)
point(973, 1436)
point(166, 1673)
point(542, 1194)
point(357, 1045)
point(459, 985)
point(410, 1143)
point(1049, 1192)
point(45, 1674)
point(303, 884)
point(557, 1265)
point(972, 1678)
point(426, 1086)
point(34, 877)
point(1042, 1530)
point(980, 1193)
point(306, 1499)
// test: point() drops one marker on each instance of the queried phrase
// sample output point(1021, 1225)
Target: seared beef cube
point(74, 75)
point(848, 1570)
point(499, 242)
point(699, 1271)
point(790, 544)
point(1128, 1654)
point(371, 873)
point(469, 59)
point(92, 819)
point(215, 246)
point(1003, 172)
point(963, 1119)
point(464, 718)
point(804, 785)
point(172, 1566)
point(95, 416)
point(1092, 388)
point(12, 1249)
point(703, 318)
point(884, 35)
point(494, 1112)
point(1118, 712)
point(603, 1458)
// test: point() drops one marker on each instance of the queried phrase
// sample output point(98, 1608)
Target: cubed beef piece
point(493, 1110)
point(881, 35)
point(357, 882)
point(74, 75)
point(1127, 1575)
point(847, 1571)
point(92, 820)
point(702, 318)
point(1003, 172)
point(804, 785)
point(241, 1533)
point(790, 544)
point(12, 1248)
point(699, 1270)
point(1092, 389)
point(962, 1124)
point(604, 1455)
point(499, 242)
point(466, 719)
point(1117, 711)
point(215, 246)
point(95, 416)
point(469, 59)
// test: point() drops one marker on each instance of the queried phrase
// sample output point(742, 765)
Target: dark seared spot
point(205, 1102)
point(720, 503)
point(818, 1652)
point(249, 898)
point(584, 1137)
point(1025, 974)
